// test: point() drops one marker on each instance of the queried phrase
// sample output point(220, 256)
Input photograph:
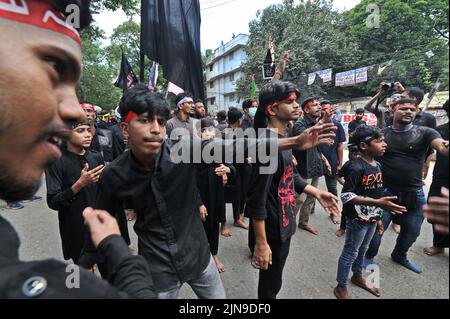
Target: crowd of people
point(101, 175)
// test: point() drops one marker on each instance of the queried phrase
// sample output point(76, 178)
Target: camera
point(388, 86)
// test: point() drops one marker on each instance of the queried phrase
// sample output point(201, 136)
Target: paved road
point(311, 267)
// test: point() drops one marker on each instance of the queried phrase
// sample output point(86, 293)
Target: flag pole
point(142, 54)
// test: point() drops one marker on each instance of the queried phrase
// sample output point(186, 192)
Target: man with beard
point(310, 162)
point(71, 187)
point(40, 66)
point(183, 119)
point(407, 149)
point(104, 140)
point(357, 122)
point(199, 110)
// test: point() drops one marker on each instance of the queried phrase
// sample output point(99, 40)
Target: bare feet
point(341, 293)
point(309, 229)
point(340, 232)
point(432, 251)
point(219, 265)
point(240, 223)
point(361, 282)
point(225, 231)
point(396, 228)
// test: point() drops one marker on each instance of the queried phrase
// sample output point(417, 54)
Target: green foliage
point(96, 85)
point(130, 7)
point(408, 30)
point(318, 38)
point(315, 35)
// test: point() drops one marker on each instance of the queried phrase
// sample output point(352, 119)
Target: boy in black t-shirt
point(271, 199)
point(364, 203)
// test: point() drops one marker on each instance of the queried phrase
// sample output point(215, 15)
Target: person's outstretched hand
point(101, 225)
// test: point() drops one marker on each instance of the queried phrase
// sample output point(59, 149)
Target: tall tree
point(313, 32)
point(414, 33)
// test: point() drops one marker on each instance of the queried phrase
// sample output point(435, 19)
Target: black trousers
point(212, 233)
point(238, 208)
point(271, 280)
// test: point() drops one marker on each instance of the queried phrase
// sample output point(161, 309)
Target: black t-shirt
point(345, 170)
point(353, 125)
point(441, 167)
point(272, 198)
point(363, 180)
point(425, 119)
point(402, 164)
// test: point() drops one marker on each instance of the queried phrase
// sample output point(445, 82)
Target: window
point(232, 77)
point(231, 56)
point(211, 85)
point(211, 67)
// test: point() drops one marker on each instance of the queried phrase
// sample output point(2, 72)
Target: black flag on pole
point(127, 79)
point(170, 35)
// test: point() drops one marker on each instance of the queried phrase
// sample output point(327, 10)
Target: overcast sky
point(220, 18)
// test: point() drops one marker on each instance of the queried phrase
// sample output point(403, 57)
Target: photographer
point(384, 118)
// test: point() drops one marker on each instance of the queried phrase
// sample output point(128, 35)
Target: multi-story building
point(223, 69)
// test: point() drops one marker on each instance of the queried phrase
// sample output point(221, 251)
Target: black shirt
point(402, 164)
point(345, 170)
point(309, 161)
point(353, 125)
point(364, 180)
point(168, 225)
point(60, 178)
point(272, 198)
point(441, 168)
point(331, 151)
point(425, 119)
point(129, 273)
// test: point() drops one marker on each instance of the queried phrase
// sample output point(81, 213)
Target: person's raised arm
point(281, 67)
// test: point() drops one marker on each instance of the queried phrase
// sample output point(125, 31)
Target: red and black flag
point(170, 35)
point(127, 79)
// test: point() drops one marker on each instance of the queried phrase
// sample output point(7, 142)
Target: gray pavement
point(310, 270)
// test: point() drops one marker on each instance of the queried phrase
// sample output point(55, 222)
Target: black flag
point(127, 79)
point(170, 35)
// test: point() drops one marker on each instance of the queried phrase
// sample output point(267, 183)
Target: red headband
point(131, 116)
point(325, 107)
point(404, 104)
point(291, 97)
point(310, 103)
point(39, 14)
point(88, 106)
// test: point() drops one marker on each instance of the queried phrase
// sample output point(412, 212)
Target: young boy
point(271, 199)
point(211, 179)
point(72, 186)
point(364, 203)
point(353, 153)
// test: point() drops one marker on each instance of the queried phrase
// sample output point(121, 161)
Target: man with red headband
point(407, 148)
point(310, 162)
point(40, 65)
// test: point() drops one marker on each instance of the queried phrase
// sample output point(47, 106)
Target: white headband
point(187, 99)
